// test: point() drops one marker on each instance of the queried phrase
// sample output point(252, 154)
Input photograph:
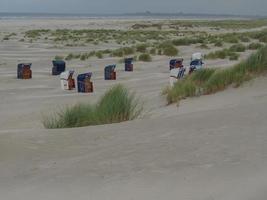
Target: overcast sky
point(244, 7)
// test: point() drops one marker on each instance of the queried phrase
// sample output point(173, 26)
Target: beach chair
point(24, 71)
point(59, 66)
point(67, 81)
point(176, 63)
point(128, 64)
point(196, 62)
point(110, 73)
point(84, 83)
point(176, 74)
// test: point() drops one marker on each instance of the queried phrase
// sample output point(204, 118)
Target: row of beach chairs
point(84, 83)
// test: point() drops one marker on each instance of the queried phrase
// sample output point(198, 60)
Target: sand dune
point(209, 148)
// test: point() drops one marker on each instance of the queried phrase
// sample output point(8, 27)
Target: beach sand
point(211, 147)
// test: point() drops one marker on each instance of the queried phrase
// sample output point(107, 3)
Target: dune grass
point(145, 57)
point(222, 54)
point(254, 46)
point(116, 105)
point(207, 81)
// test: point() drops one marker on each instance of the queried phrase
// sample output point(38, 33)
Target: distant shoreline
point(145, 15)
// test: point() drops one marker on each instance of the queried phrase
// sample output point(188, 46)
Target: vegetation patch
point(237, 48)
point(207, 81)
point(222, 54)
point(254, 46)
point(116, 105)
point(145, 57)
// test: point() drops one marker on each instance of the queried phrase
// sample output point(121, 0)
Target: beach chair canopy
point(196, 62)
point(174, 63)
point(65, 75)
point(22, 65)
point(58, 67)
point(110, 68)
point(128, 60)
point(197, 56)
point(57, 63)
point(82, 77)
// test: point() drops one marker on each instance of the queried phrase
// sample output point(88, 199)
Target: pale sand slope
point(217, 151)
point(209, 148)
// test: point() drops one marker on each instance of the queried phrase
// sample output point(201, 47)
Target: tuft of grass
point(254, 46)
point(207, 81)
point(170, 51)
point(99, 55)
point(203, 46)
point(186, 41)
point(116, 105)
point(226, 53)
point(145, 57)
point(218, 44)
point(59, 57)
point(141, 48)
point(237, 48)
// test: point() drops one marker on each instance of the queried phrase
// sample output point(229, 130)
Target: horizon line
point(145, 13)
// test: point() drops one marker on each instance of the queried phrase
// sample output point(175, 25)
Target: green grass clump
point(180, 91)
point(186, 41)
point(116, 105)
point(141, 48)
point(231, 38)
point(207, 81)
point(170, 51)
point(218, 44)
point(220, 54)
point(244, 39)
point(203, 46)
point(225, 53)
point(254, 46)
point(237, 48)
point(59, 57)
point(99, 54)
point(153, 51)
point(233, 56)
point(145, 57)
point(128, 50)
point(202, 75)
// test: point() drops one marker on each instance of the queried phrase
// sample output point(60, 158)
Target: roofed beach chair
point(24, 71)
point(196, 62)
point(59, 66)
point(175, 63)
point(128, 64)
point(85, 85)
point(110, 73)
point(67, 81)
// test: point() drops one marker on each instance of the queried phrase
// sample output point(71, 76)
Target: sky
point(236, 7)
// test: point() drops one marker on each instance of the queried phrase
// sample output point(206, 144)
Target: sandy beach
point(212, 147)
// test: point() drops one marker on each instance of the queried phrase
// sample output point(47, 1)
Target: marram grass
point(116, 105)
point(207, 81)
